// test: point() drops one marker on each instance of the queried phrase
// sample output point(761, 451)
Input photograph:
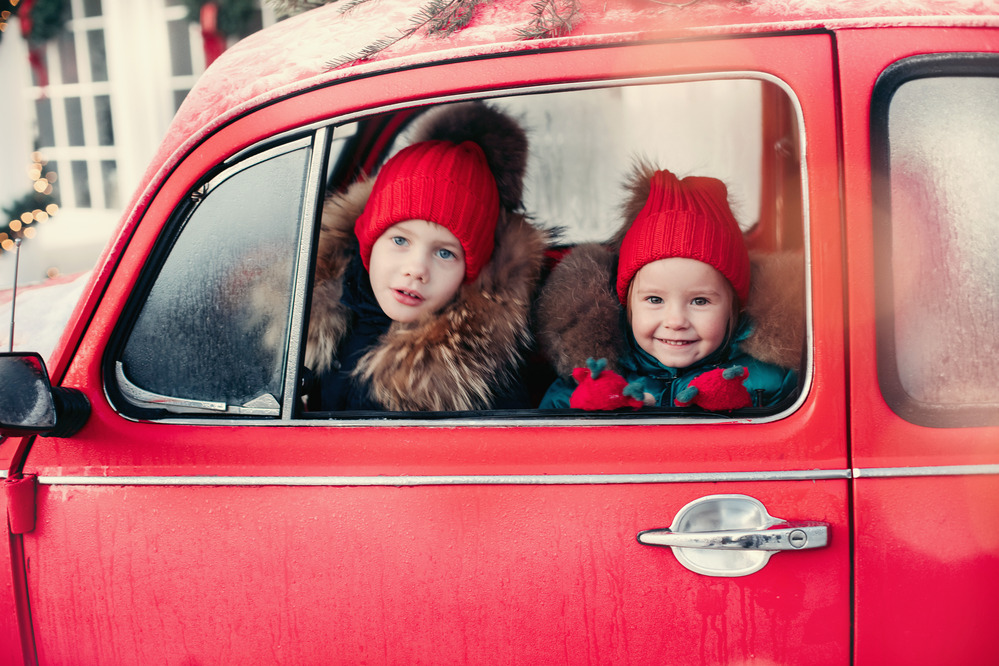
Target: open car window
point(217, 335)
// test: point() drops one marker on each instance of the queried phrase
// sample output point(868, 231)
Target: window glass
point(98, 56)
point(74, 121)
point(81, 183)
point(105, 128)
point(593, 137)
point(67, 57)
point(943, 134)
point(199, 335)
point(179, 34)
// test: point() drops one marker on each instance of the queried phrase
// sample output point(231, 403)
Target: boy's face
point(416, 268)
point(679, 310)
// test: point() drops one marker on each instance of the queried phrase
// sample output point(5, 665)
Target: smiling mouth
point(676, 343)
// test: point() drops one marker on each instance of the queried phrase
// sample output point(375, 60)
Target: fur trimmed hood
point(463, 356)
point(580, 316)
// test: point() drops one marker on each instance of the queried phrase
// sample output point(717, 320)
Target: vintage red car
point(171, 500)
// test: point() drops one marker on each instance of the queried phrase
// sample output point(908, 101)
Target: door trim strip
point(456, 480)
point(938, 470)
point(524, 479)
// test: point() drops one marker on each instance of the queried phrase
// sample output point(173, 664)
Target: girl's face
point(680, 310)
point(416, 268)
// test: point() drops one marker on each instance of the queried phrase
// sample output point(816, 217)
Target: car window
point(216, 335)
point(939, 291)
point(211, 333)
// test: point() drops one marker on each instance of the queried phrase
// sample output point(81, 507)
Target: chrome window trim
point(303, 276)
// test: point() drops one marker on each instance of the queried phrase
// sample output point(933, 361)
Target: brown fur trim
point(461, 357)
point(328, 317)
point(502, 140)
point(578, 312)
point(777, 305)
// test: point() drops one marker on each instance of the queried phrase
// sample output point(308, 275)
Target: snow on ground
point(42, 311)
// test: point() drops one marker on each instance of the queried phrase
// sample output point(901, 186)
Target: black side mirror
point(30, 405)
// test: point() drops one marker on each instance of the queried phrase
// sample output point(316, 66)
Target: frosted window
point(944, 157)
point(200, 334)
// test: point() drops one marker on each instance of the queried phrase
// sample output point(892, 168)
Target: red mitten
point(718, 390)
point(600, 388)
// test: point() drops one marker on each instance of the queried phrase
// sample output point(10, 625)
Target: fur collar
point(580, 317)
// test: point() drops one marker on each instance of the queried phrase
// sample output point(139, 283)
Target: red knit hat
point(685, 218)
point(441, 182)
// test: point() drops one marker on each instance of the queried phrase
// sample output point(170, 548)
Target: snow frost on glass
point(201, 333)
point(584, 143)
point(944, 137)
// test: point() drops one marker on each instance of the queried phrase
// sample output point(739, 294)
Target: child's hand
point(718, 390)
point(600, 388)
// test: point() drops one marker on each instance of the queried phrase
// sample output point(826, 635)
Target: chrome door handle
point(795, 536)
point(732, 535)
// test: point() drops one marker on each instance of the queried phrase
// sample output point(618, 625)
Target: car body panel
point(924, 498)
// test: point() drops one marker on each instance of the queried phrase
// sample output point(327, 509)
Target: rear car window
point(936, 138)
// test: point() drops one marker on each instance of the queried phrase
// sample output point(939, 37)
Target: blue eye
point(444, 253)
point(399, 240)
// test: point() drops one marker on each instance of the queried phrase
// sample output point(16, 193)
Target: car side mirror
point(30, 405)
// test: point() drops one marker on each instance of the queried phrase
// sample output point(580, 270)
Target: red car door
point(261, 536)
point(920, 123)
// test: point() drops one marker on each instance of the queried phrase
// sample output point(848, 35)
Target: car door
point(229, 527)
point(920, 112)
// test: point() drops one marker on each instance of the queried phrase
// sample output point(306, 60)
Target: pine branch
point(440, 17)
point(552, 18)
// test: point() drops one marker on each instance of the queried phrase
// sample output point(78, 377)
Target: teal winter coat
point(767, 384)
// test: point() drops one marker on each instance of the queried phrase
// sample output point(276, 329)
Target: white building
point(116, 76)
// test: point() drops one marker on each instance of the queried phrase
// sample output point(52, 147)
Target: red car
point(171, 500)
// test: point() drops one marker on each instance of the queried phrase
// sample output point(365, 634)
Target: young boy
point(425, 274)
point(683, 276)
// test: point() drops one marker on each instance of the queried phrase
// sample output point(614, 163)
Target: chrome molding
point(938, 470)
point(458, 480)
point(523, 479)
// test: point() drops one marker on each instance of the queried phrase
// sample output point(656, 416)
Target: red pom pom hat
point(685, 218)
point(441, 182)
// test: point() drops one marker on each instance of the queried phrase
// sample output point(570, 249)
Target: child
point(425, 274)
point(683, 275)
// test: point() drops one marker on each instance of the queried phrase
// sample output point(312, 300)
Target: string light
point(23, 226)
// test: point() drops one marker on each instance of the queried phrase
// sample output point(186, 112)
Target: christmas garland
point(41, 20)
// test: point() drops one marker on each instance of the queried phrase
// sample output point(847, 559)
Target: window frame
point(291, 412)
point(127, 397)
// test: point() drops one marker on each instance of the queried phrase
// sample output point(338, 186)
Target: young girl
point(425, 274)
point(683, 277)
